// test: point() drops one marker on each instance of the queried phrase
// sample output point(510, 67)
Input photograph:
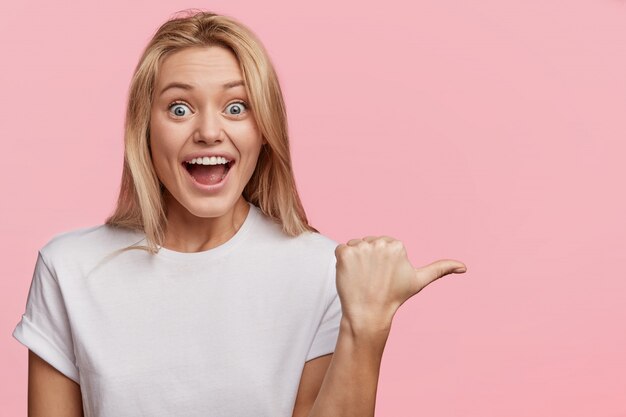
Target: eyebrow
point(176, 84)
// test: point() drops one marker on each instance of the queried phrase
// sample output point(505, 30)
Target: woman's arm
point(350, 384)
point(374, 278)
point(50, 393)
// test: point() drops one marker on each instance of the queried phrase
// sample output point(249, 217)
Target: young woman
point(206, 292)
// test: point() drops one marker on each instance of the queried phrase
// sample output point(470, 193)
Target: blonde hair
point(272, 188)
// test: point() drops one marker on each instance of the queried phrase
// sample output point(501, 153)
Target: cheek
point(158, 161)
point(158, 128)
point(164, 140)
point(163, 153)
point(246, 130)
point(252, 161)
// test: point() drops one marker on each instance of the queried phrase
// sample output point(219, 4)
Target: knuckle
point(397, 245)
point(380, 243)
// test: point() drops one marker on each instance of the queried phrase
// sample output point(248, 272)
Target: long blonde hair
point(140, 205)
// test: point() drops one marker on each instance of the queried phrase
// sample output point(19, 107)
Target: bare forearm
point(349, 387)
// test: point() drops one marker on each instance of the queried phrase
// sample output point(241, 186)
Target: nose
point(209, 127)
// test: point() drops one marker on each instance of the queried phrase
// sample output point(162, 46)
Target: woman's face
point(206, 117)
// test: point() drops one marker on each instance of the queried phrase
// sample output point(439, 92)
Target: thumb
point(431, 272)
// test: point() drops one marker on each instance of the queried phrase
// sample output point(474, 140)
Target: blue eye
point(178, 106)
point(240, 103)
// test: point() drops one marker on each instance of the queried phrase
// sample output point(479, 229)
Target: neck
point(186, 232)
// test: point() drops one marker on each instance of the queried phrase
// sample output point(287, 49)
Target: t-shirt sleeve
point(44, 327)
point(326, 336)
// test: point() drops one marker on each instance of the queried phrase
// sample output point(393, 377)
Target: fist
point(374, 278)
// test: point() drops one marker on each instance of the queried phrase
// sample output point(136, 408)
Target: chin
point(210, 207)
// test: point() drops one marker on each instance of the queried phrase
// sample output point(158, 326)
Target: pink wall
point(490, 132)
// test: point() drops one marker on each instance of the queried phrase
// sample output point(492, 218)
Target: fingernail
point(459, 270)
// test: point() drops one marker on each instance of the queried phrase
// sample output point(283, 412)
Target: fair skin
point(310, 383)
point(205, 121)
point(374, 276)
point(51, 393)
point(205, 117)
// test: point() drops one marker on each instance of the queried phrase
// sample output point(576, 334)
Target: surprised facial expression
point(200, 109)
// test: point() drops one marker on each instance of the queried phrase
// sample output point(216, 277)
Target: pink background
point(490, 132)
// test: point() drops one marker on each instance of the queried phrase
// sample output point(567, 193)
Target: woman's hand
point(375, 277)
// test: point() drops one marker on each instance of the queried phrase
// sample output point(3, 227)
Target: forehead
point(210, 65)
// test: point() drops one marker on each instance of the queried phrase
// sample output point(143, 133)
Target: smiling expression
point(201, 107)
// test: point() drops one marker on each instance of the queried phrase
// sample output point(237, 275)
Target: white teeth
point(213, 160)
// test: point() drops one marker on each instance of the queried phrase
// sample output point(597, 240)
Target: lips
point(208, 177)
point(228, 166)
point(202, 154)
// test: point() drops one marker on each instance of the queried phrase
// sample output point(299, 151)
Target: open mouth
point(208, 174)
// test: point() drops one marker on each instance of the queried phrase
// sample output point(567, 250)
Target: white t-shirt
point(223, 332)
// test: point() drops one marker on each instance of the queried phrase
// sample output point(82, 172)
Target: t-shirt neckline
point(248, 223)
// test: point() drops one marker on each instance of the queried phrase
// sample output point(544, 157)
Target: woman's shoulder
point(270, 237)
point(272, 231)
point(320, 240)
point(83, 241)
point(313, 244)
